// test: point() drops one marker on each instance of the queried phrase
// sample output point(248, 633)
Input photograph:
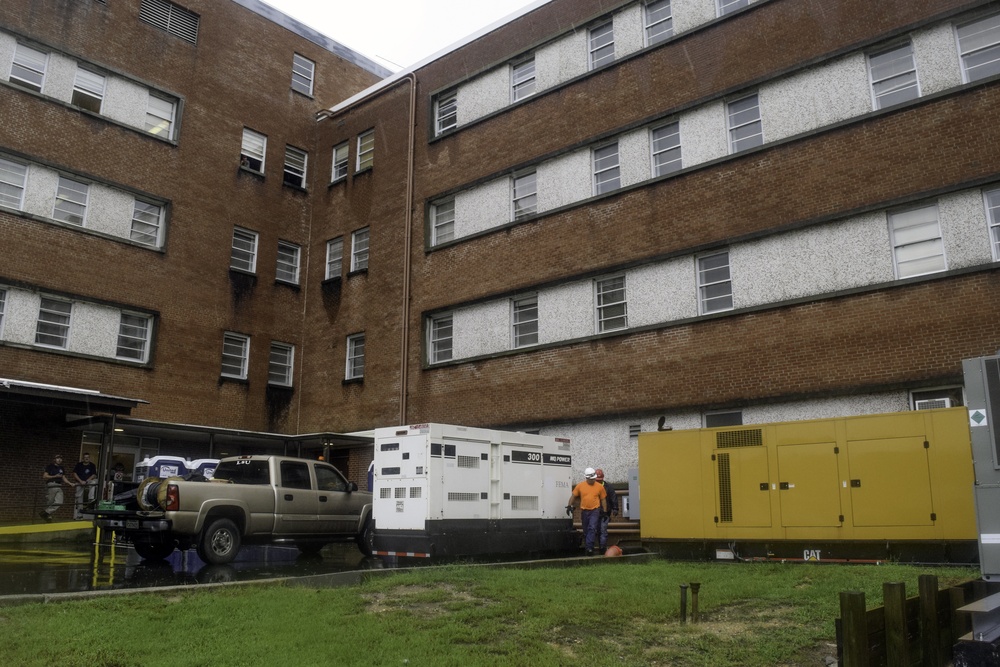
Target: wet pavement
point(48, 568)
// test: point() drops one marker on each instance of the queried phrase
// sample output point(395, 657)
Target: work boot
point(590, 552)
point(45, 515)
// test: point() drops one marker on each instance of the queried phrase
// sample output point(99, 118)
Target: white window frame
point(442, 221)
point(522, 79)
point(303, 74)
point(991, 199)
point(666, 156)
point(341, 160)
point(133, 337)
point(355, 366)
point(524, 321)
point(55, 319)
point(288, 263)
point(296, 164)
point(366, 151)
point(890, 77)
point(243, 253)
point(737, 121)
point(610, 296)
point(601, 45)
point(144, 227)
point(916, 241)
point(334, 258)
point(654, 31)
point(253, 149)
point(71, 202)
point(441, 347)
point(723, 7)
point(714, 287)
point(31, 61)
point(88, 90)
point(281, 364)
point(160, 121)
point(235, 355)
point(9, 185)
point(446, 112)
point(606, 167)
point(360, 244)
point(3, 308)
point(985, 26)
point(524, 195)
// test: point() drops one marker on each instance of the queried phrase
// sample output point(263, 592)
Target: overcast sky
point(398, 33)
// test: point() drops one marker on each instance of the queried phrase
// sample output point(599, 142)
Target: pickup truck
point(250, 500)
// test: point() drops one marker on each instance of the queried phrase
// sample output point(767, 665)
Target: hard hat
point(600, 474)
point(589, 473)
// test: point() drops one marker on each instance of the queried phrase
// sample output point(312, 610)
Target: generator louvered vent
point(463, 497)
point(415, 492)
point(751, 437)
point(524, 502)
point(172, 18)
point(385, 492)
point(468, 462)
point(725, 490)
point(400, 491)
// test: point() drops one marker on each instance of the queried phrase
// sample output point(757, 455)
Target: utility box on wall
point(982, 388)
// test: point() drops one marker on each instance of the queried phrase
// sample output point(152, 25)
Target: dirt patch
point(414, 599)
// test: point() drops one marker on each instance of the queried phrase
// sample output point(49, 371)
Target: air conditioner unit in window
point(932, 403)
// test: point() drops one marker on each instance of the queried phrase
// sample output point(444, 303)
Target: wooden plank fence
point(906, 632)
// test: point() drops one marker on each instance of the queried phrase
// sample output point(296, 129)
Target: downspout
point(404, 352)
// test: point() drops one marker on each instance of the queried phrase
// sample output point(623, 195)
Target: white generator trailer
point(442, 491)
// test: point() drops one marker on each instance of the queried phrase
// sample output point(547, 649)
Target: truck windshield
point(243, 471)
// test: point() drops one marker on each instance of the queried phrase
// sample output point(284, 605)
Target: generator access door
point(890, 482)
point(808, 485)
point(741, 479)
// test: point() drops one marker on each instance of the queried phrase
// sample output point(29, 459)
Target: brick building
point(591, 219)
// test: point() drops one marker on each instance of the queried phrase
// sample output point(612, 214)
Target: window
point(893, 76)
point(440, 338)
point(366, 150)
point(359, 250)
point(602, 45)
point(446, 112)
point(917, 247)
point(992, 214)
point(941, 397)
point(235, 353)
point(71, 201)
point(88, 90)
point(339, 163)
point(355, 357)
point(717, 419)
point(607, 174)
point(252, 152)
point(715, 287)
point(295, 475)
point(3, 304)
point(334, 257)
point(524, 194)
point(288, 263)
point(745, 130)
point(522, 80)
point(302, 74)
point(612, 311)
point(666, 142)
point(52, 328)
point(12, 178)
point(659, 22)
point(133, 337)
point(442, 222)
point(172, 18)
point(146, 221)
point(979, 47)
point(524, 320)
point(280, 364)
point(160, 117)
point(727, 6)
point(28, 68)
point(244, 252)
point(295, 167)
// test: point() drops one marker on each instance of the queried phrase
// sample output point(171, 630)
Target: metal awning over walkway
point(87, 401)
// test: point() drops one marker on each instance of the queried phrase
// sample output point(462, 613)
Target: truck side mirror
point(351, 486)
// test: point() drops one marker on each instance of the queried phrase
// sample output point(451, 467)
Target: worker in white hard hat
point(592, 499)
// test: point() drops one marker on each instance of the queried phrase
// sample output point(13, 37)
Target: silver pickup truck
point(250, 500)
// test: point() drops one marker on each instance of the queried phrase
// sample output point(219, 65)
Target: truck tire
point(153, 550)
point(220, 542)
point(366, 540)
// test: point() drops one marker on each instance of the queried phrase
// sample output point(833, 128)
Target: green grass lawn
point(606, 613)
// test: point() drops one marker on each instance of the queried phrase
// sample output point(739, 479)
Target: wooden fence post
point(897, 643)
point(930, 632)
point(960, 622)
point(855, 628)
